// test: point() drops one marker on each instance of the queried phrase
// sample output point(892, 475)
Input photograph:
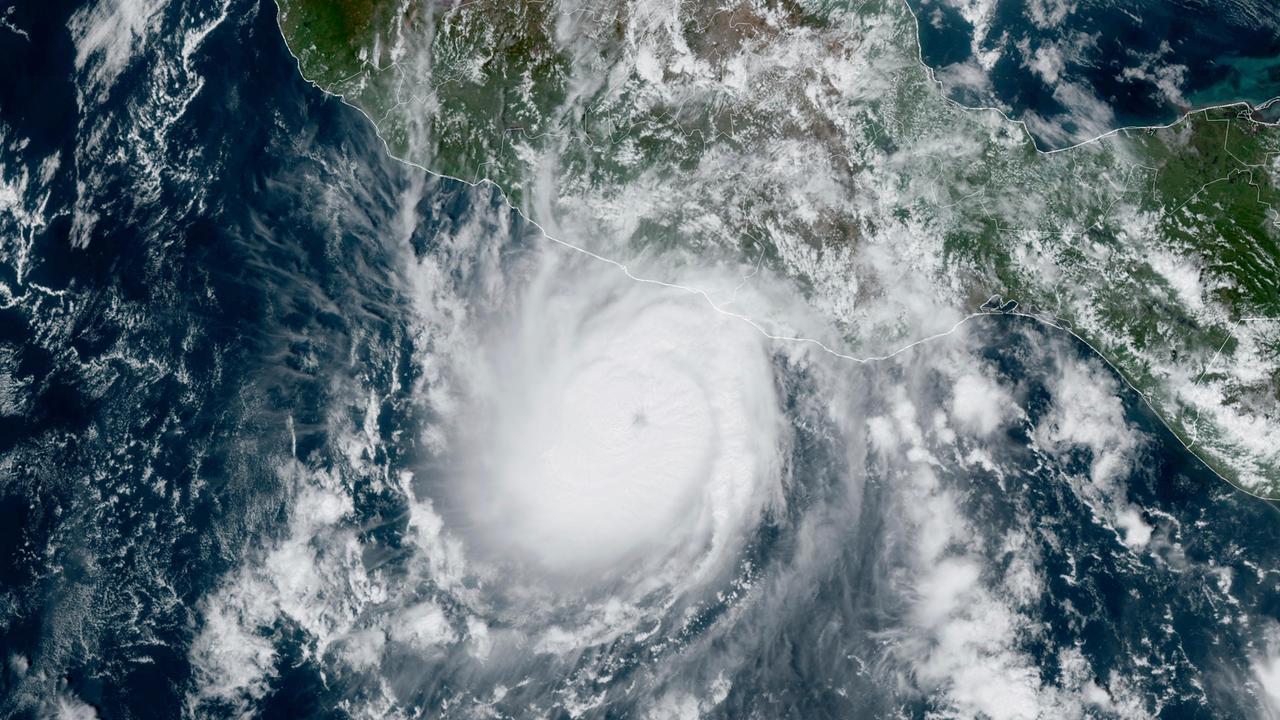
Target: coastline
point(1195, 110)
point(1188, 443)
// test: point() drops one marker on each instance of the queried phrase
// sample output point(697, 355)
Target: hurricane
point(545, 360)
point(619, 420)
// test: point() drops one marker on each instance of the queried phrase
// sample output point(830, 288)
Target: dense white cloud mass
point(614, 419)
point(634, 487)
point(598, 472)
point(642, 475)
point(631, 468)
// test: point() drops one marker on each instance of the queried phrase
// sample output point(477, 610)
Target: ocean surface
point(1075, 70)
point(193, 241)
point(203, 289)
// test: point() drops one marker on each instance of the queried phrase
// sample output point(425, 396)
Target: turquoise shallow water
point(1255, 80)
point(1076, 70)
point(231, 299)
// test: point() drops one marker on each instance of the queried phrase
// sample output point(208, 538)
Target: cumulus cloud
point(1048, 63)
point(1088, 415)
point(1047, 14)
point(1167, 78)
point(423, 626)
point(978, 403)
point(961, 641)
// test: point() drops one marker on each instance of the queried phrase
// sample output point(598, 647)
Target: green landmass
point(812, 127)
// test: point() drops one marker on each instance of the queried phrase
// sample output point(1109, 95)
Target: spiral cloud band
point(621, 422)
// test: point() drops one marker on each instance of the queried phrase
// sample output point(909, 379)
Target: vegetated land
point(812, 128)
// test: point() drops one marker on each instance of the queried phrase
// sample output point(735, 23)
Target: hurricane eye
point(652, 427)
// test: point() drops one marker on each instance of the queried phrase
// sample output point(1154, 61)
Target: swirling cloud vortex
point(626, 424)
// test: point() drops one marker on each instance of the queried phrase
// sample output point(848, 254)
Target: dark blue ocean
point(191, 251)
point(1074, 70)
point(196, 253)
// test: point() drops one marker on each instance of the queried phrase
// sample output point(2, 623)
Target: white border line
point(811, 341)
point(942, 88)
